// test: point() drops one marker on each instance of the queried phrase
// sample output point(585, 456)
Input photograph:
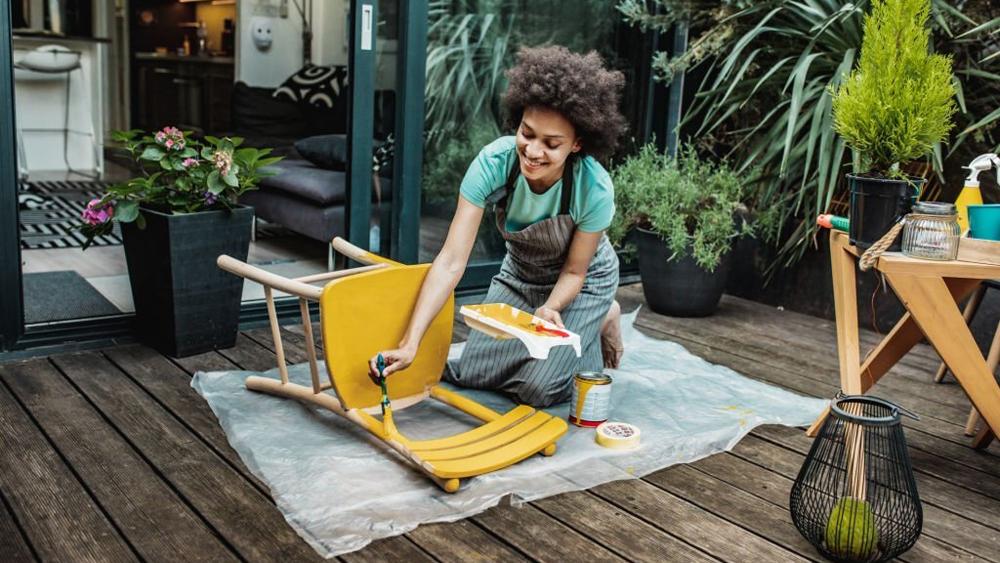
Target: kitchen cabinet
point(186, 92)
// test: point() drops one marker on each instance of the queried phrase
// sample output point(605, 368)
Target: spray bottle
point(970, 194)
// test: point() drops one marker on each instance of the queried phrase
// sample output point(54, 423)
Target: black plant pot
point(877, 203)
point(680, 287)
point(184, 304)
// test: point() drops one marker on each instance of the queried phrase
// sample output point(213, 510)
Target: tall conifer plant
point(899, 101)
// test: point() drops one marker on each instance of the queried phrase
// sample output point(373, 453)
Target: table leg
point(903, 337)
point(933, 307)
point(970, 311)
point(845, 302)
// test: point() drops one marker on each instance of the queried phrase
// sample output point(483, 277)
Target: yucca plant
point(898, 102)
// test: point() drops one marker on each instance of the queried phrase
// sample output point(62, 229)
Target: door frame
point(11, 297)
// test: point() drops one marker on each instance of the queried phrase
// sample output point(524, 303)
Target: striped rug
point(51, 219)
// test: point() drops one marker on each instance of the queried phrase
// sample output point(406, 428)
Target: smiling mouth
point(531, 164)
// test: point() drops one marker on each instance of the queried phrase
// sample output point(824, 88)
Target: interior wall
point(329, 45)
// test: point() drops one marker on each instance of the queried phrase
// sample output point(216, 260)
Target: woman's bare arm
point(571, 277)
point(443, 276)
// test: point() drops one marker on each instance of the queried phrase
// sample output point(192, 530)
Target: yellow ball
point(851, 531)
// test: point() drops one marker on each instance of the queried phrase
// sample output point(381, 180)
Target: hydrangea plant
point(179, 174)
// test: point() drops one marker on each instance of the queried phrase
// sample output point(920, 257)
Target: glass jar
point(931, 231)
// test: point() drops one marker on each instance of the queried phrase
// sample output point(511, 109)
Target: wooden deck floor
point(111, 456)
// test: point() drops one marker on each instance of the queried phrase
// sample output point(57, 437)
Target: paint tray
point(503, 322)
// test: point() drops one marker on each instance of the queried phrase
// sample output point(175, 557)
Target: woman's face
point(545, 139)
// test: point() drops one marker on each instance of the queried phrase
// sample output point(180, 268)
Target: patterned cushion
point(314, 85)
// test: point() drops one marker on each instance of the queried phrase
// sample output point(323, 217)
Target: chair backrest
point(365, 313)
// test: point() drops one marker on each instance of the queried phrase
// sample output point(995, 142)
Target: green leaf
point(140, 221)
point(127, 211)
point(215, 183)
point(230, 179)
point(153, 153)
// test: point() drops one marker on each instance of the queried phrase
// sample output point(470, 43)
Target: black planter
point(680, 287)
point(184, 304)
point(877, 203)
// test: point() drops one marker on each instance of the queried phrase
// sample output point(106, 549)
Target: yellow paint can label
point(591, 402)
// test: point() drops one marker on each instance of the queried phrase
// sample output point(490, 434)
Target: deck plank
point(623, 533)
point(734, 504)
point(60, 518)
point(157, 524)
point(542, 537)
point(13, 545)
point(462, 541)
point(229, 503)
point(396, 548)
point(171, 387)
point(692, 524)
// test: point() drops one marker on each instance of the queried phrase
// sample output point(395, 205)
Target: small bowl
point(984, 221)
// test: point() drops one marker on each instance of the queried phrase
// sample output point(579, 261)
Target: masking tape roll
point(617, 435)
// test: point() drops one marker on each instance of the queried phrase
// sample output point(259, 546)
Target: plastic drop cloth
point(340, 488)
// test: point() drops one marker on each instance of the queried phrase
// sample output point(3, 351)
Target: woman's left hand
point(551, 315)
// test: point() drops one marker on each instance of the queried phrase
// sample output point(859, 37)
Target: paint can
point(591, 402)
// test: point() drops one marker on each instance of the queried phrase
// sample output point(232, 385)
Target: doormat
point(340, 489)
point(50, 214)
point(60, 296)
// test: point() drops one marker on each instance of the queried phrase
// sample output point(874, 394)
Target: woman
point(553, 202)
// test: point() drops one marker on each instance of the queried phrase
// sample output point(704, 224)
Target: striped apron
point(535, 257)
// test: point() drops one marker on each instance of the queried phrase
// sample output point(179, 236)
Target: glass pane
point(69, 91)
point(470, 45)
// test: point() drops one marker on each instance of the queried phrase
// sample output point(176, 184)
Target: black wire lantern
point(855, 498)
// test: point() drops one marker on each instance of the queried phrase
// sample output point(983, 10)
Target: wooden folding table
point(931, 291)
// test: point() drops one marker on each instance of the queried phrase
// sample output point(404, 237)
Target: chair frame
point(385, 430)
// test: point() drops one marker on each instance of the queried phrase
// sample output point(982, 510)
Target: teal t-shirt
point(592, 205)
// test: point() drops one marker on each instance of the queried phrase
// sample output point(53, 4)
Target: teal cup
point(984, 221)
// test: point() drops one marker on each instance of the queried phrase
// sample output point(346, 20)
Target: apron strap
point(567, 184)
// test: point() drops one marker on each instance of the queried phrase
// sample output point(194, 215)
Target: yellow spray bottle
point(970, 194)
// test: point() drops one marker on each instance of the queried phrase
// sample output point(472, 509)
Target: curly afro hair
point(577, 86)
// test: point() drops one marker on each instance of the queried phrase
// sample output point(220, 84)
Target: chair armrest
point(360, 255)
point(281, 283)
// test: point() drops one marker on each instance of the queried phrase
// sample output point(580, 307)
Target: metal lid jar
point(931, 231)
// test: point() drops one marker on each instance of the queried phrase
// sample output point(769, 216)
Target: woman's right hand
point(395, 360)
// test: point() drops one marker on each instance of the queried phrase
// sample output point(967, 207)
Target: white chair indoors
point(52, 60)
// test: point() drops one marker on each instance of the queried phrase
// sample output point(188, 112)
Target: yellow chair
point(364, 310)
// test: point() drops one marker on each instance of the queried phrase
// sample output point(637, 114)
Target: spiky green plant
point(899, 100)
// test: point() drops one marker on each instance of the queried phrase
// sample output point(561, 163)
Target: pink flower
point(223, 161)
point(97, 213)
point(189, 162)
point(170, 137)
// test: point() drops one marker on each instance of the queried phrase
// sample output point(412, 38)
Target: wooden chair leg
point(972, 422)
point(970, 311)
point(991, 362)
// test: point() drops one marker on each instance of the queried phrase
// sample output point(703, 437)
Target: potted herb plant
point(177, 216)
point(893, 108)
point(682, 212)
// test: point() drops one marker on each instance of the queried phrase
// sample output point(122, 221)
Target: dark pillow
point(325, 151)
point(257, 113)
point(314, 85)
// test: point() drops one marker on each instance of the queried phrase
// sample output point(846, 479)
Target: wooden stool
point(992, 360)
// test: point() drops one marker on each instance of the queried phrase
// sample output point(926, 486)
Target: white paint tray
point(503, 322)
